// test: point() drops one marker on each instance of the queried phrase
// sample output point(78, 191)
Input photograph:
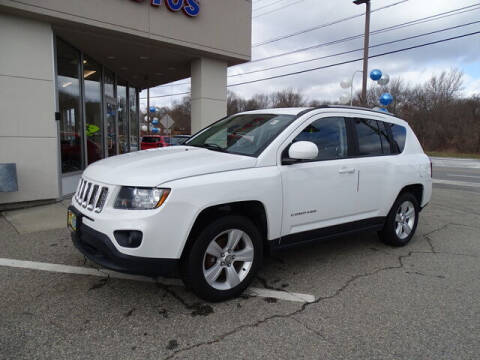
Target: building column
point(209, 92)
point(28, 130)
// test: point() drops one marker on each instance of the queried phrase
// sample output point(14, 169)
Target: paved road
point(371, 301)
point(457, 173)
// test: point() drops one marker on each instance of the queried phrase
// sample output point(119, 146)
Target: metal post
point(148, 111)
point(365, 48)
point(351, 86)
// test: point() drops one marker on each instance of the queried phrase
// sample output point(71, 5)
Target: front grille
point(91, 196)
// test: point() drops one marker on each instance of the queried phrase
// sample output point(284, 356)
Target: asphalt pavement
point(368, 300)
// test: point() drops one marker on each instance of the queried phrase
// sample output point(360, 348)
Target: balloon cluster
point(382, 79)
point(377, 76)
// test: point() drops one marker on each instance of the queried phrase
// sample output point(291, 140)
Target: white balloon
point(344, 99)
point(385, 79)
point(144, 127)
point(345, 83)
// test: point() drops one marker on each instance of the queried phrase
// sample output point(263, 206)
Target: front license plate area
point(73, 221)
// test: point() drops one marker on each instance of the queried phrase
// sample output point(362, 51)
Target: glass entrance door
point(110, 114)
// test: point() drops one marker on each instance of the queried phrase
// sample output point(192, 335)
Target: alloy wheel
point(228, 259)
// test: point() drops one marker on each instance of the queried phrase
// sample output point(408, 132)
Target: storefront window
point(93, 125)
point(122, 116)
point(110, 113)
point(92, 75)
point(68, 86)
point(132, 94)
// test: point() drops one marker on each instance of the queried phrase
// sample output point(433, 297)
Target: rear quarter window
point(399, 135)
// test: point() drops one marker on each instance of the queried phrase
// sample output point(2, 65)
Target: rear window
point(150, 139)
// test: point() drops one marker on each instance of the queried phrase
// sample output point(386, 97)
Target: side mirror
point(303, 150)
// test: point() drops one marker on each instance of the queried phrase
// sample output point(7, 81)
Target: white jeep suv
point(247, 184)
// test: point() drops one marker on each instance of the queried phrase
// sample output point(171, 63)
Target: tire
point(209, 270)
point(400, 227)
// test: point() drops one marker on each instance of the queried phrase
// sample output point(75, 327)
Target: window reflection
point(110, 113)
point(134, 126)
point(68, 86)
point(330, 136)
point(122, 116)
point(96, 125)
point(368, 133)
point(93, 110)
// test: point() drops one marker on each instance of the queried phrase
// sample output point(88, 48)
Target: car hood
point(156, 166)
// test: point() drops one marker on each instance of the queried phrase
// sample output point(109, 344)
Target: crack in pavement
point(198, 309)
point(320, 335)
point(339, 291)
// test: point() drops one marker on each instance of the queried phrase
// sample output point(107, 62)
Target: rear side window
point(368, 135)
point(330, 136)
point(399, 134)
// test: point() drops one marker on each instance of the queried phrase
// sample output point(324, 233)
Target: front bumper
point(98, 248)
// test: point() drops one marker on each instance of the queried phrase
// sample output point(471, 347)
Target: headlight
point(132, 198)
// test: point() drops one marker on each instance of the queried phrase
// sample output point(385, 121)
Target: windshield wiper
point(213, 147)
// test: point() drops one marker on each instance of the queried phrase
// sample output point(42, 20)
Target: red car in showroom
point(154, 141)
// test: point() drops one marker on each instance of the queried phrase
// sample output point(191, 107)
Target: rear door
point(374, 164)
point(322, 192)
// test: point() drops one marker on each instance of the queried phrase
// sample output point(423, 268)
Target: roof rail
point(343, 107)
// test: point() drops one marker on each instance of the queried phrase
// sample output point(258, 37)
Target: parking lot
point(348, 298)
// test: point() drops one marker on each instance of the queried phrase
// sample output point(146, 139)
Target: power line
point(337, 64)
point(268, 5)
point(430, 18)
point(322, 25)
point(375, 32)
point(355, 50)
point(355, 60)
point(280, 8)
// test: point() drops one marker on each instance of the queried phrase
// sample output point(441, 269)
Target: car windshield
point(247, 134)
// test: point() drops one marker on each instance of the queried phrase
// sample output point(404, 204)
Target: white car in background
point(251, 183)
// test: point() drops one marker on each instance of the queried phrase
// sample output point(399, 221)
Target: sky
point(275, 18)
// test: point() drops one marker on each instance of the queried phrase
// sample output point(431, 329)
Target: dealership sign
point(189, 7)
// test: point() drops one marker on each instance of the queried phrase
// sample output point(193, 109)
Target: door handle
point(346, 171)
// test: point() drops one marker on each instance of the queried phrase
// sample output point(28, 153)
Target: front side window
point(368, 135)
point(330, 136)
point(247, 134)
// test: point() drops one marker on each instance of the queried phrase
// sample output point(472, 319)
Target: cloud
point(414, 66)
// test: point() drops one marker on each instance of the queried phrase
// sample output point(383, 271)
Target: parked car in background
point(249, 183)
point(154, 141)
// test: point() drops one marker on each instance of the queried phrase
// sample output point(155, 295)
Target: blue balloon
point(155, 121)
point(386, 99)
point(375, 75)
point(155, 130)
point(152, 109)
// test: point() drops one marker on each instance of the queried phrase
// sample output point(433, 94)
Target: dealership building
point(71, 72)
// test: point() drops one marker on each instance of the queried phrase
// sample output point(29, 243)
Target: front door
point(322, 192)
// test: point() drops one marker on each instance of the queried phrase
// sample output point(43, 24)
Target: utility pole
point(366, 45)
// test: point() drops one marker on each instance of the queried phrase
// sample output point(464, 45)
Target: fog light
point(128, 238)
